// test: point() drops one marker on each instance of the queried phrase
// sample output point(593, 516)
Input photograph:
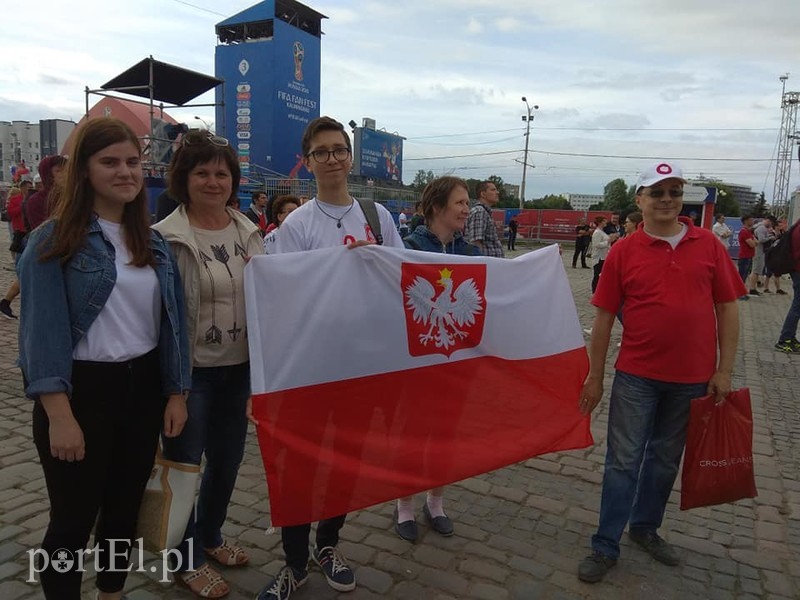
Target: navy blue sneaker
point(790, 346)
point(339, 575)
point(283, 584)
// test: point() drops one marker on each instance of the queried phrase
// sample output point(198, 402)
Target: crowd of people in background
point(160, 356)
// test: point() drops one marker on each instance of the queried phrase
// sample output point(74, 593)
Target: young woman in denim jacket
point(104, 354)
point(212, 243)
point(445, 205)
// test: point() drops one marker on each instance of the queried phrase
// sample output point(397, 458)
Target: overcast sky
point(683, 79)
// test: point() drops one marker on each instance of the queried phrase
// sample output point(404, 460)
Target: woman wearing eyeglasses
point(212, 243)
point(104, 355)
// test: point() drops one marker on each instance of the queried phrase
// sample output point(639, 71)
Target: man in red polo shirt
point(679, 290)
point(747, 250)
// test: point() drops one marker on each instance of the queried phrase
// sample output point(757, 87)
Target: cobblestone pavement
point(520, 531)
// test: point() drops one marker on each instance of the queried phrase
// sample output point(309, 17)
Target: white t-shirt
point(402, 219)
point(309, 228)
point(129, 323)
point(719, 230)
point(269, 241)
point(672, 240)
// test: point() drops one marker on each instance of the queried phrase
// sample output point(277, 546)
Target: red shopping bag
point(718, 462)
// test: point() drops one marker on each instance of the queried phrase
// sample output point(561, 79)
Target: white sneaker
point(588, 331)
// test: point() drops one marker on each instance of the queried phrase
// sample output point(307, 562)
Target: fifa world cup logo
point(299, 55)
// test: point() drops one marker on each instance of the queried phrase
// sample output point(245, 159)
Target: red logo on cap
point(663, 169)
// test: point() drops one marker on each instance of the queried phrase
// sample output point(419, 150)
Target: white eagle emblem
point(447, 313)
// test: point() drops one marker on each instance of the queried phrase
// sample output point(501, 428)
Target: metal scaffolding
point(786, 141)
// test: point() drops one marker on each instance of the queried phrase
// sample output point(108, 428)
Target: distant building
point(31, 142)
point(53, 135)
point(583, 201)
point(19, 140)
point(744, 195)
point(511, 190)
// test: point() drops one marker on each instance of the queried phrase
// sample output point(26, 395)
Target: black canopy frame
point(161, 82)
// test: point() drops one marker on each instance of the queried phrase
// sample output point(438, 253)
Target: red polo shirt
point(667, 298)
point(745, 251)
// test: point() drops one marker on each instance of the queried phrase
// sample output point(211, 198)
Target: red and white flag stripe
point(379, 372)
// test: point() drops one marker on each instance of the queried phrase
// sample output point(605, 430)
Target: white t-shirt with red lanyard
point(316, 225)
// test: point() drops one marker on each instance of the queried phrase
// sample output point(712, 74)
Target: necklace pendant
point(339, 224)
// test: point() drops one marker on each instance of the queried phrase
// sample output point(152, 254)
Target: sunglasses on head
point(660, 193)
point(204, 138)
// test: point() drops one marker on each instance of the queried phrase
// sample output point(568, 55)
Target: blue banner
point(297, 90)
point(378, 154)
point(271, 92)
point(735, 223)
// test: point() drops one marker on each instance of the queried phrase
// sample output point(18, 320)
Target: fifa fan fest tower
point(269, 57)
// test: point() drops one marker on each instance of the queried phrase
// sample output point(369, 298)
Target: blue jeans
point(647, 421)
point(789, 329)
point(745, 264)
point(217, 425)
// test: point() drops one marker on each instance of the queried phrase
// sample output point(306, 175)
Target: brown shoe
point(204, 582)
point(228, 556)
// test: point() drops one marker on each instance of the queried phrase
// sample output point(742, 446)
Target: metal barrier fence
point(395, 199)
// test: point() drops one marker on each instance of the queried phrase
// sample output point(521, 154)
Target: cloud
point(33, 111)
point(474, 25)
point(53, 80)
point(615, 121)
point(509, 24)
point(457, 66)
point(341, 16)
point(676, 94)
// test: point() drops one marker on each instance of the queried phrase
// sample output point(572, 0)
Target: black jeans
point(295, 540)
point(120, 409)
point(598, 268)
point(512, 240)
point(580, 250)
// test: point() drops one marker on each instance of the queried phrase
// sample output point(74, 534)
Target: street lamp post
point(203, 121)
point(528, 120)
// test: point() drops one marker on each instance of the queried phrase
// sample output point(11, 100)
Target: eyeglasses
point(206, 138)
point(660, 193)
point(323, 156)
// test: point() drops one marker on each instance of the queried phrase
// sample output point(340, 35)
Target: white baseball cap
point(659, 172)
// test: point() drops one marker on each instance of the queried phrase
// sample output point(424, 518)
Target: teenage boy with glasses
point(332, 218)
point(679, 288)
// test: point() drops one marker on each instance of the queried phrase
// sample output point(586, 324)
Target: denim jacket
point(424, 239)
point(61, 301)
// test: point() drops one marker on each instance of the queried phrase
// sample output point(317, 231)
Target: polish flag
point(379, 372)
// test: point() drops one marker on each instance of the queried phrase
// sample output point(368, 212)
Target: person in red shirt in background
point(679, 289)
point(20, 230)
point(747, 250)
point(40, 203)
point(787, 340)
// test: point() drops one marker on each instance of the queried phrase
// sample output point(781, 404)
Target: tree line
point(618, 196)
point(507, 200)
